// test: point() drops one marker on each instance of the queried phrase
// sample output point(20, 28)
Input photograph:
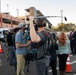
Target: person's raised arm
point(33, 34)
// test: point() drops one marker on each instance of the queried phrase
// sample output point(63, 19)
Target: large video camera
point(37, 22)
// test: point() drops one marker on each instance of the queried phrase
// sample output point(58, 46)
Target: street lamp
point(62, 19)
point(17, 12)
point(61, 16)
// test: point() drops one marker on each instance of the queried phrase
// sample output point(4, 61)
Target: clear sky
point(47, 7)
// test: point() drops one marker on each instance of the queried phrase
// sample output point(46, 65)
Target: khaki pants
point(20, 64)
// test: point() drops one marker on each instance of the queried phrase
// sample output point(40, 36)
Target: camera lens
point(27, 19)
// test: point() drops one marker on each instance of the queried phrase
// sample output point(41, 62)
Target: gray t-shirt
point(42, 49)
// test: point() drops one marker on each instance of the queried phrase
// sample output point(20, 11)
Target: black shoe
point(74, 54)
point(11, 64)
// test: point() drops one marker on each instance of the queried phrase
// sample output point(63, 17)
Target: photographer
point(38, 38)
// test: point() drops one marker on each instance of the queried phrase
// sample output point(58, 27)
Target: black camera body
point(36, 25)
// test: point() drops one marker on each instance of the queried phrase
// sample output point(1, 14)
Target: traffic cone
point(68, 65)
point(1, 51)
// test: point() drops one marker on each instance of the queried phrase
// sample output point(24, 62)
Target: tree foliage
point(66, 27)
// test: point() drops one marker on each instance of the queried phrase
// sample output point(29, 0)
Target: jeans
point(14, 59)
point(10, 55)
point(20, 64)
point(41, 67)
point(47, 71)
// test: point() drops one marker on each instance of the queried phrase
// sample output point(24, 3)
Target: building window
point(15, 22)
point(4, 20)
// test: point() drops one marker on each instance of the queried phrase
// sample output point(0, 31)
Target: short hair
point(16, 29)
point(40, 22)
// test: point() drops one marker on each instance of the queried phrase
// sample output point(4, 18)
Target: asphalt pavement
point(6, 69)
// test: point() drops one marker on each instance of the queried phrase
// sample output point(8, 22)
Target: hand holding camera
point(31, 18)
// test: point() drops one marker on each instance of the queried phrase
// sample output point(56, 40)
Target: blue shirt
point(20, 38)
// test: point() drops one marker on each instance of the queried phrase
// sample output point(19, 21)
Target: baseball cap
point(21, 25)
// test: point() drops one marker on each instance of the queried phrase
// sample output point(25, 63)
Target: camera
point(38, 22)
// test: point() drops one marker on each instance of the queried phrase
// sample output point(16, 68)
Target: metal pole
point(62, 20)
point(7, 7)
point(17, 12)
point(0, 6)
point(61, 16)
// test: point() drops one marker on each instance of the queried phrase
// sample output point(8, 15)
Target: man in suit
point(72, 41)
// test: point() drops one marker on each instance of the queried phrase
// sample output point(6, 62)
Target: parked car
point(2, 33)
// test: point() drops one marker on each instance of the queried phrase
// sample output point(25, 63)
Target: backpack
point(47, 41)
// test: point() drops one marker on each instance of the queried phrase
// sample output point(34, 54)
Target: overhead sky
point(47, 7)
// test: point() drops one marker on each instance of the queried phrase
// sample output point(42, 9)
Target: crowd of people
point(49, 46)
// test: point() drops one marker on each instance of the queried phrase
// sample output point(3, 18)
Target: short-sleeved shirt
point(42, 49)
point(20, 38)
point(63, 49)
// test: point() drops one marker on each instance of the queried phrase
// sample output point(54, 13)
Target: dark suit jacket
point(74, 37)
point(71, 36)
